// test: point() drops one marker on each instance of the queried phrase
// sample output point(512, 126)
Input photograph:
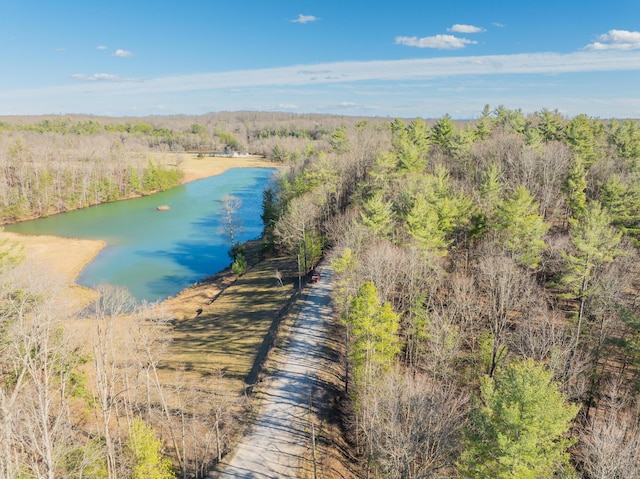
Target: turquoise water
point(155, 254)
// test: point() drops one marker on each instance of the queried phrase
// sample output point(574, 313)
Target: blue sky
point(375, 58)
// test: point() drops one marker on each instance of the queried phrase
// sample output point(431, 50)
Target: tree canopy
point(519, 426)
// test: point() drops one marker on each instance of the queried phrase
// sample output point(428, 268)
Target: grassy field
point(230, 332)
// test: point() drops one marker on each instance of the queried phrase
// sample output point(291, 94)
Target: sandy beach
point(67, 257)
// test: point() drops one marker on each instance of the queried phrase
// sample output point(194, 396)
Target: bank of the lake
point(195, 168)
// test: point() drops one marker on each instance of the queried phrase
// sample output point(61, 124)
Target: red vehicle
point(315, 276)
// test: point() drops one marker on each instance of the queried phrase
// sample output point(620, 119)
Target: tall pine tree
point(518, 428)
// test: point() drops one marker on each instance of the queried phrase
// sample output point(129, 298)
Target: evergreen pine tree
point(518, 428)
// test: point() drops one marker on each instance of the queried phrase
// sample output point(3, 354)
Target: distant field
point(196, 168)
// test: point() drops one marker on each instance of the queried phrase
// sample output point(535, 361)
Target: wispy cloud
point(616, 40)
point(391, 70)
point(405, 88)
point(103, 77)
point(101, 47)
point(122, 53)
point(440, 42)
point(377, 75)
point(458, 28)
point(305, 19)
point(347, 105)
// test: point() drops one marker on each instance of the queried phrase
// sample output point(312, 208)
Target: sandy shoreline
point(197, 168)
point(66, 257)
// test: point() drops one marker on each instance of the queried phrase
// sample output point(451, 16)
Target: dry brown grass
point(195, 168)
point(61, 258)
point(229, 333)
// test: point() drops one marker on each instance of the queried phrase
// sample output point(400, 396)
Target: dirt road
point(278, 443)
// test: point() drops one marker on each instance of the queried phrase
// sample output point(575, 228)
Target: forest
point(486, 284)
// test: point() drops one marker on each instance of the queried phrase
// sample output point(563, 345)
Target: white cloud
point(383, 70)
point(104, 92)
point(122, 53)
point(498, 24)
point(346, 73)
point(458, 28)
point(94, 77)
point(288, 106)
point(441, 42)
point(101, 47)
point(347, 106)
point(616, 40)
point(305, 19)
point(102, 77)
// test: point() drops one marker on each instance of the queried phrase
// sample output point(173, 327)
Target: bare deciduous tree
point(293, 227)
point(229, 214)
point(542, 337)
point(37, 367)
point(416, 424)
point(510, 295)
point(610, 441)
point(109, 358)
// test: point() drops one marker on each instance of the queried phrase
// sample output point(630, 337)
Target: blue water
point(155, 254)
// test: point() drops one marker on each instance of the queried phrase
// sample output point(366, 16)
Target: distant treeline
point(177, 133)
point(41, 176)
point(58, 163)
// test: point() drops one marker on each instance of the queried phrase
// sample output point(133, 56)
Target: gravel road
point(275, 445)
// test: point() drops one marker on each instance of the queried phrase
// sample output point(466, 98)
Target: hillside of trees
point(486, 283)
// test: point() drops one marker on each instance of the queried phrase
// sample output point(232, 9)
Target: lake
point(156, 254)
